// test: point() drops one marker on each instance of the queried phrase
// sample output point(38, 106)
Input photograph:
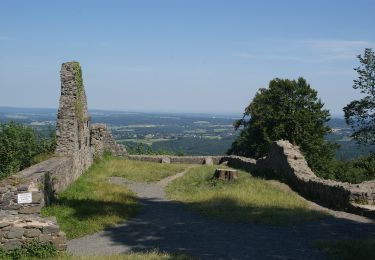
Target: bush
point(30, 249)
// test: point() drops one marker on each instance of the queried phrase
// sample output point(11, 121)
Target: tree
point(17, 148)
point(360, 114)
point(290, 110)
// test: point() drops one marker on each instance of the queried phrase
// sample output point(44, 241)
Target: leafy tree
point(20, 145)
point(360, 114)
point(17, 147)
point(291, 110)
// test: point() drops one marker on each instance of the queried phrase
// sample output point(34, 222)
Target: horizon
point(185, 57)
point(332, 116)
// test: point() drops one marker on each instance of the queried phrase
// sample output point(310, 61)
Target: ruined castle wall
point(102, 140)
point(286, 163)
point(73, 122)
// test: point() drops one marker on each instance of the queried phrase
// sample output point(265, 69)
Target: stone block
point(12, 244)
point(15, 232)
point(4, 224)
point(30, 210)
point(32, 233)
point(53, 229)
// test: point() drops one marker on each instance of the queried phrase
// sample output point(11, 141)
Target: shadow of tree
point(169, 226)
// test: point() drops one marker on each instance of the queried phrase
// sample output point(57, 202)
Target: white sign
point(24, 198)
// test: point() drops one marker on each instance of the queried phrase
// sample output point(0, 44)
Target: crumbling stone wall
point(102, 140)
point(20, 220)
point(286, 162)
point(73, 122)
point(15, 230)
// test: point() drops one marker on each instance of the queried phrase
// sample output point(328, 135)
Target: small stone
point(11, 244)
point(59, 243)
point(3, 190)
point(32, 232)
point(165, 160)
point(45, 238)
point(53, 229)
point(15, 232)
point(30, 210)
point(208, 161)
point(22, 188)
point(36, 197)
point(4, 224)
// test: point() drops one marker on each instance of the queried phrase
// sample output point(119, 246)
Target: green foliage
point(31, 249)
point(349, 249)
point(353, 171)
point(290, 110)
point(248, 199)
point(139, 148)
point(360, 114)
point(19, 146)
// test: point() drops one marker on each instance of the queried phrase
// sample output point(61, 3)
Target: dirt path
point(169, 226)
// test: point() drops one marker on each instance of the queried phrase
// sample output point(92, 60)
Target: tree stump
point(225, 175)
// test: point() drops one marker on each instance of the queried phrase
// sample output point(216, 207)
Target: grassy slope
point(247, 200)
point(91, 203)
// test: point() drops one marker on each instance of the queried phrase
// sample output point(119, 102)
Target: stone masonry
point(73, 122)
point(21, 221)
point(102, 140)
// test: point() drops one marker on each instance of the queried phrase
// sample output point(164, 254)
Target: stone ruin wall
point(20, 222)
point(286, 163)
point(73, 122)
point(102, 141)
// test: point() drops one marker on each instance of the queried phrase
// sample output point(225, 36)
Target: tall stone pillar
point(73, 121)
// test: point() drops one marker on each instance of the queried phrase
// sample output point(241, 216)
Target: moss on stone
point(79, 106)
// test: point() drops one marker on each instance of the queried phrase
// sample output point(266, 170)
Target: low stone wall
point(286, 163)
point(176, 159)
point(15, 230)
point(37, 186)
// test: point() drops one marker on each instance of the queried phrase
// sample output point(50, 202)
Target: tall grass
point(248, 199)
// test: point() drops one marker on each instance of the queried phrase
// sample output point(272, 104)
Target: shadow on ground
point(170, 226)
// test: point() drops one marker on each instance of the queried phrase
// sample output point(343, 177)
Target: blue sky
point(181, 56)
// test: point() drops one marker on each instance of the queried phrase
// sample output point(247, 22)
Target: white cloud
point(306, 50)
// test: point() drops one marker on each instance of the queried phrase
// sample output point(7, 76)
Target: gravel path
point(170, 226)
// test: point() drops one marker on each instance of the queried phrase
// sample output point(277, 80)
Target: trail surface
point(170, 226)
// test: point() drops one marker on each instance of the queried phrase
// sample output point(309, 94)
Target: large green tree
point(360, 114)
point(287, 109)
point(17, 147)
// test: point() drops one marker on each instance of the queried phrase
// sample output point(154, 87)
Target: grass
point(141, 171)
point(91, 203)
point(349, 249)
point(248, 199)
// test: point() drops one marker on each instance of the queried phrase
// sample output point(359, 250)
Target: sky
point(181, 55)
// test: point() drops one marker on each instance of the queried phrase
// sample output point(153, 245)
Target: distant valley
point(187, 134)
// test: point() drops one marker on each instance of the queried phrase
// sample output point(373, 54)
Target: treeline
point(22, 146)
